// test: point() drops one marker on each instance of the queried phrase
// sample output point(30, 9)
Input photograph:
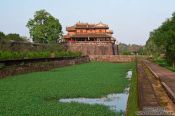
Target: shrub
point(8, 55)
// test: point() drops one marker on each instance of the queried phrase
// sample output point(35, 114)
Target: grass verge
point(38, 93)
point(164, 63)
point(133, 95)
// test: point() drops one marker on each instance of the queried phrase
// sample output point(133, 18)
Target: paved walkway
point(155, 86)
point(166, 77)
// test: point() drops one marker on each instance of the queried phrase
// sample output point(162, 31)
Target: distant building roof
point(72, 28)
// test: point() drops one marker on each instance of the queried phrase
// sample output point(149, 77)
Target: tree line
point(43, 28)
point(162, 41)
point(130, 49)
point(12, 36)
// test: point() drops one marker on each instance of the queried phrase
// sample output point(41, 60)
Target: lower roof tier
point(88, 36)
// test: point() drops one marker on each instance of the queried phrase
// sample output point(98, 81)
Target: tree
point(170, 48)
point(15, 37)
point(2, 35)
point(44, 28)
point(162, 40)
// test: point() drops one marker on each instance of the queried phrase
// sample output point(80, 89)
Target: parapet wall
point(92, 48)
point(112, 58)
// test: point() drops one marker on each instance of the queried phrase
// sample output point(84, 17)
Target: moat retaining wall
point(112, 58)
point(92, 48)
point(48, 65)
point(40, 66)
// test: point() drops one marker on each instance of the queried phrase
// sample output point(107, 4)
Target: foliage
point(164, 63)
point(38, 93)
point(152, 49)
point(68, 53)
point(162, 41)
point(8, 55)
point(2, 35)
point(12, 36)
point(26, 50)
point(142, 51)
point(132, 107)
point(126, 53)
point(18, 46)
point(15, 37)
point(44, 28)
point(125, 49)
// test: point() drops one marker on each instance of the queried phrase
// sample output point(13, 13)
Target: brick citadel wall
point(112, 58)
point(92, 48)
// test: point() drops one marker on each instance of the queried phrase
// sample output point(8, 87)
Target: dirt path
point(151, 91)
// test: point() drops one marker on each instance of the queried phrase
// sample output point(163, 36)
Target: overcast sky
point(131, 20)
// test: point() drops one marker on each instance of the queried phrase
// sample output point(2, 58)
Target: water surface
point(116, 102)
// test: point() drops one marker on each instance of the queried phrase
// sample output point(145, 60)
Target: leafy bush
point(26, 50)
point(5, 55)
point(2, 35)
point(68, 54)
point(126, 53)
point(164, 63)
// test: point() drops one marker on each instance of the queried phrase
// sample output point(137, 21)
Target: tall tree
point(163, 40)
point(44, 28)
point(2, 35)
point(170, 48)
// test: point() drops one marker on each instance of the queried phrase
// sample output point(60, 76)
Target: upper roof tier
point(80, 25)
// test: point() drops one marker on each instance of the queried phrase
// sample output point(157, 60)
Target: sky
point(131, 20)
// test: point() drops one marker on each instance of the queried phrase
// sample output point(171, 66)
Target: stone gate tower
point(90, 39)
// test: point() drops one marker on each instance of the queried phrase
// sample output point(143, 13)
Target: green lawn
point(38, 93)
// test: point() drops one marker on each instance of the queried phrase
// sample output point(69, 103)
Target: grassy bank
point(133, 96)
point(11, 55)
point(38, 93)
point(164, 63)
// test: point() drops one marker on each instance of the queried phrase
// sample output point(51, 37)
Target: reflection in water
point(116, 102)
